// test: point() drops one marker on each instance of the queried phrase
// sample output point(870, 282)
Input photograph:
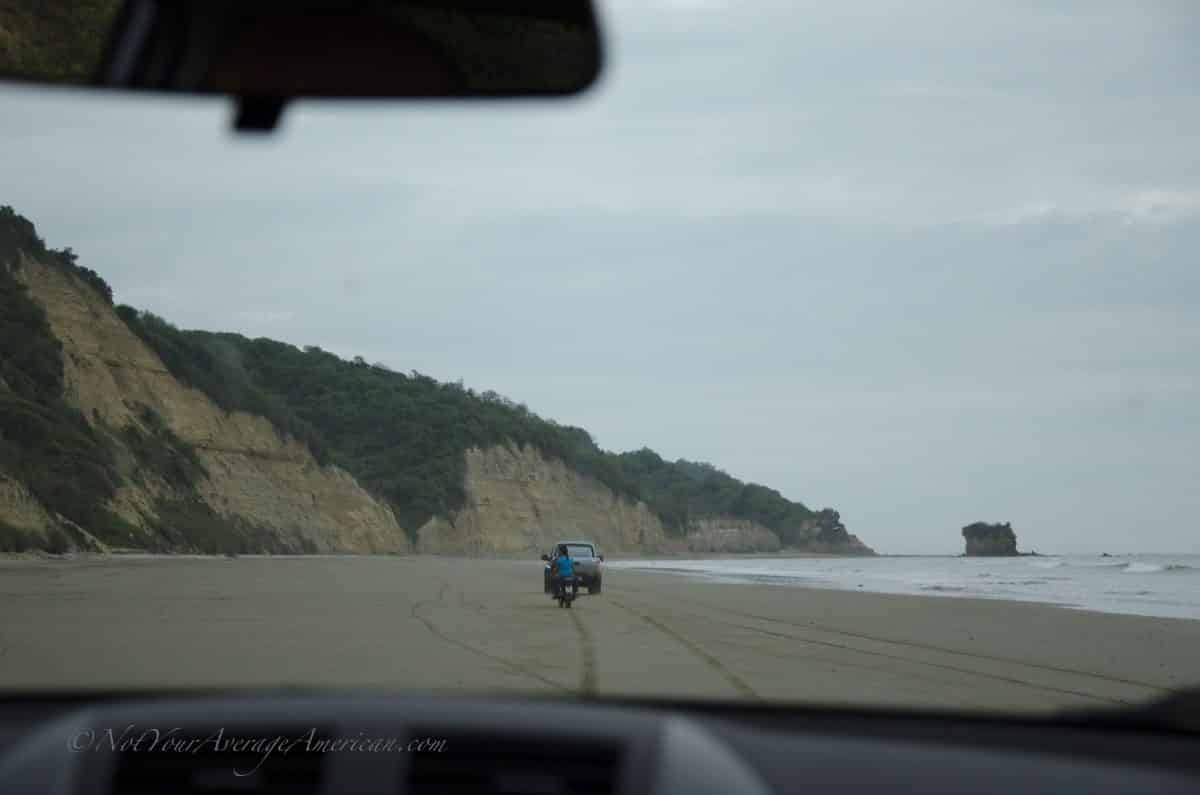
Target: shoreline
point(934, 597)
point(1156, 586)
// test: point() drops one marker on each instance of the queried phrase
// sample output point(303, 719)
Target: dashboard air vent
point(229, 762)
point(487, 764)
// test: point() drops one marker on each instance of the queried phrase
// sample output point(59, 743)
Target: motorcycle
point(564, 590)
point(568, 589)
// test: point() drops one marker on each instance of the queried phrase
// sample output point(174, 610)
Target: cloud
point(1161, 205)
point(1150, 206)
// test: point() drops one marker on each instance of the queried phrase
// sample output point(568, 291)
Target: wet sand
point(436, 623)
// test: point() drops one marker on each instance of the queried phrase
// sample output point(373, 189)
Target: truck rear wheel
point(595, 586)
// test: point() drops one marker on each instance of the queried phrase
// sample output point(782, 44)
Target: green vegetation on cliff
point(215, 369)
point(684, 491)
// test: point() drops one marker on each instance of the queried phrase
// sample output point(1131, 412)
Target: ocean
point(1148, 585)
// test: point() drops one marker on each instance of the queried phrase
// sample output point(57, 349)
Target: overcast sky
point(926, 263)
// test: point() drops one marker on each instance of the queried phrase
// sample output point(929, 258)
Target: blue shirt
point(563, 564)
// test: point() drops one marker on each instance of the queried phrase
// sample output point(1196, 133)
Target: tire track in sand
point(946, 666)
point(587, 648)
point(1012, 680)
point(699, 653)
point(441, 635)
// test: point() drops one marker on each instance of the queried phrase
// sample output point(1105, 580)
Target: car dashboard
point(424, 744)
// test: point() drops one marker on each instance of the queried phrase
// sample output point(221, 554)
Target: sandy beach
point(438, 623)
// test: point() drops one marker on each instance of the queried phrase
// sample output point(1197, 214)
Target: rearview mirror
point(267, 52)
point(546, 558)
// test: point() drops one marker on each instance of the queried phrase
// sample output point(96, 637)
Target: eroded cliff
point(253, 474)
point(520, 501)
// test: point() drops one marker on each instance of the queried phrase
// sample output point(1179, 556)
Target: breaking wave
point(1153, 568)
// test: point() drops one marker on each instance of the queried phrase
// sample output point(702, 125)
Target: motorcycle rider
point(561, 568)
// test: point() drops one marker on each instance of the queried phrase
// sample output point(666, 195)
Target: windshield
point(861, 338)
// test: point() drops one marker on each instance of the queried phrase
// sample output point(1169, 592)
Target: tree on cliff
point(990, 539)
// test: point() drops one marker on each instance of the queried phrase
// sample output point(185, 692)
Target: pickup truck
point(588, 564)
